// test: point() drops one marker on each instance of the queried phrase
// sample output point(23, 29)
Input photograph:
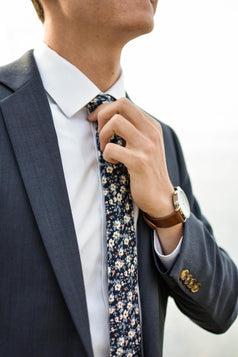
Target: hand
point(143, 154)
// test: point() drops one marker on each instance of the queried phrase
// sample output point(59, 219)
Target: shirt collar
point(66, 84)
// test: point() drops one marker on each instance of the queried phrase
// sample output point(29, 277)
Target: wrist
point(180, 213)
point(170, 237)
point(164, 207)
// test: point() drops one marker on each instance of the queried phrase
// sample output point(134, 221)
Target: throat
point(99, 63)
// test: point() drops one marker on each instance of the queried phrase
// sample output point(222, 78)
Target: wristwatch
point(180, 215)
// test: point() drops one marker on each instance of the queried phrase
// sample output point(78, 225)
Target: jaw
point(106, 27)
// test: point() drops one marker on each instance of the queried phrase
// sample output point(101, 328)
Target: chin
point(134, 30)
point(142, 30)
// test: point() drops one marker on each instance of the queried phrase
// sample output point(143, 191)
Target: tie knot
point(98, 100)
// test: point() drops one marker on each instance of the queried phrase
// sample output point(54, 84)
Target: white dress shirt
point(68, 91)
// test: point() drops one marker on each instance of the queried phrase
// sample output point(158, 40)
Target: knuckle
point(150, 147)
point(141, 161)
point(123, 102)
point(109, 148)
point(108, 152)
point(156, 135)
point(117, 121)
point(116, 118)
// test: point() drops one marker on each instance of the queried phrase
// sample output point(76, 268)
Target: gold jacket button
point(195, 287)
point(192, 283)
point(183, 275)
point(188, 279)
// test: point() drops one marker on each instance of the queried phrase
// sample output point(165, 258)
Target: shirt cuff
point(166, 260)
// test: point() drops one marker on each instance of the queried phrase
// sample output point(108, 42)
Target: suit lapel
point(29, 122)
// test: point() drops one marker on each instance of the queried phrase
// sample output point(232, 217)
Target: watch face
point(183, 203)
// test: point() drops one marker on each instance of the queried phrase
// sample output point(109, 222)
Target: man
point(56, 293)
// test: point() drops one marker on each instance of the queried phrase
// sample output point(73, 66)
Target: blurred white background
point(189, 79)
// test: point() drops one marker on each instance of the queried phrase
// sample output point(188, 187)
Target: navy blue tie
point(124, 314)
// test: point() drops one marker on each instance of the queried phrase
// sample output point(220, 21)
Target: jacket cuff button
point(184, 274)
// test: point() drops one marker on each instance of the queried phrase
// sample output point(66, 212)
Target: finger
point(120, 126)
point(93, 116)
point(116, 153)
point(134, 160)
point(127, 109)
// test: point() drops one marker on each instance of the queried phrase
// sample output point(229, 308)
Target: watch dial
point(184, 204)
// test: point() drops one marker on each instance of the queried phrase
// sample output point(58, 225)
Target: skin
point(70, 28)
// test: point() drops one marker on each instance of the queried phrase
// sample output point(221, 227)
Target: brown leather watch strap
point(180, 215)
point(164, 222)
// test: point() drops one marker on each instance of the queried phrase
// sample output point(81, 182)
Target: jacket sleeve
point(214, 306)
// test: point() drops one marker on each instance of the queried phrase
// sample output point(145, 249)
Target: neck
point(100, 62)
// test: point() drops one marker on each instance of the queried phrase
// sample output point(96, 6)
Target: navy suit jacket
point(43, 308)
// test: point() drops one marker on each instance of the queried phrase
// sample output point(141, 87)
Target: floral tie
point(124, 315)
